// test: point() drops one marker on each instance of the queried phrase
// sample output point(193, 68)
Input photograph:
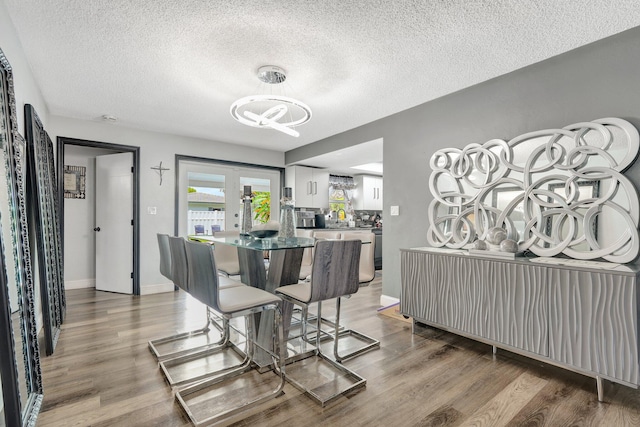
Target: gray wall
point(598, 80)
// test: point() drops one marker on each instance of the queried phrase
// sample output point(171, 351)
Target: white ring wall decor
point(555, 191)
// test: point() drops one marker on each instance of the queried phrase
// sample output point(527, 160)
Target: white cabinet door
point(369, 193)
point(300, 180)
point(376, 203)
point(320, 189)
point(310, 186)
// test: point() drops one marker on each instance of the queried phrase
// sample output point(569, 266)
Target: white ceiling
point(176, 66)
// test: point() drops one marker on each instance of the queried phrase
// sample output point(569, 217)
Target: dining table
point(285, 259)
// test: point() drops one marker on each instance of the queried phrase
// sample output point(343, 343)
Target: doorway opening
point(85, 237)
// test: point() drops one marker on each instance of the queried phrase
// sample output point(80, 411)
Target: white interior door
point(114, 229)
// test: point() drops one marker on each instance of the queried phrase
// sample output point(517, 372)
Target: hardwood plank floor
point(102, 374)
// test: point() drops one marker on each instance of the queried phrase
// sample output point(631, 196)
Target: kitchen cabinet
point(369, 193)
point(310, 186)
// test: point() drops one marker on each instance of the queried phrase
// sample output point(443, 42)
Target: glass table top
point(266, 244)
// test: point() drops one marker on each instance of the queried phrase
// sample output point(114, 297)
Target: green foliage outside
point(336, 206)
point(261, 205)
point(191, 190)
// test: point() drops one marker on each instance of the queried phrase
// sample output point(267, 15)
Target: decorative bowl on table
point(263, 234)
point(264, 231)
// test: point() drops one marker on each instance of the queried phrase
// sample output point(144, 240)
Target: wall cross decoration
point(160, 170)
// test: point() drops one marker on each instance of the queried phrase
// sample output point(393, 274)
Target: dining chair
point(173, 266)
point(367, 270)
point(242, 301)
point(165, 255)
point(307, 258)
point(334, 274)
point(226, 255)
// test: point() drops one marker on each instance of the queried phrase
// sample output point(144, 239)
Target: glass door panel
point(209, 198)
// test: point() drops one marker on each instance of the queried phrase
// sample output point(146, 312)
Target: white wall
point(154, 148)
point(26, 92)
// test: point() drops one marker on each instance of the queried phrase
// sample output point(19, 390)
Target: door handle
point(315, 187)
point(96, 229)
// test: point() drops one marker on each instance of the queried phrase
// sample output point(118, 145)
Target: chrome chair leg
point(371, 343)
point(154, 345)
point(278, 354)
point(167, 365)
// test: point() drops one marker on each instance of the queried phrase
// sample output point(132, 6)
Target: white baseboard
point(80, 284)
point(156, 289)
point(386, 301)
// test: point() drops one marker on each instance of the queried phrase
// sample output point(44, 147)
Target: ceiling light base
point(271, 74)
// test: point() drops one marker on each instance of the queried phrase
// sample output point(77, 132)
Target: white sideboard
point(576, 317)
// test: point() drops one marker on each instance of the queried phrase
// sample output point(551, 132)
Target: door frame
point(205, 160)
point(62, 141)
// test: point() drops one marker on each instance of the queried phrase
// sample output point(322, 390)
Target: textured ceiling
point(176, 66)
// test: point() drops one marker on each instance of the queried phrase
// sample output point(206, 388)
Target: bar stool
point(367, 270)
point(227, 255)
point(173, 267)
point(233, 302)
point(334, 275)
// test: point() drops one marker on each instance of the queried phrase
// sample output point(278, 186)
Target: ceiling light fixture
point(276, 112)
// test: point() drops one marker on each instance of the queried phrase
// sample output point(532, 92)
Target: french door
point(209, 196)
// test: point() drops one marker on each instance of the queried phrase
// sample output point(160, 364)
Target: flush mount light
point(276, 112)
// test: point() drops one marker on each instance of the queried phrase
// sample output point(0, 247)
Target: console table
point(576, 316)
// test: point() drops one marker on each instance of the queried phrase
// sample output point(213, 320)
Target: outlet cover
point(151, 210)
point(395, 210)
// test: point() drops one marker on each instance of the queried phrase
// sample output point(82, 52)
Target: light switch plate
point(151, 210)
point(395, 210)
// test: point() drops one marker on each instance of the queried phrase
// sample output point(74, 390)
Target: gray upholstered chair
point(232, 302)
point(334, 275)
point(165, 255)
point(173, 266)
point(307, 257)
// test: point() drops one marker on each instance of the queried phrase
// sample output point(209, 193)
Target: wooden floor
point(102, 374)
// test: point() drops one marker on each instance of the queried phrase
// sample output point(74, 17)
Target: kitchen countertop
point(372, 229)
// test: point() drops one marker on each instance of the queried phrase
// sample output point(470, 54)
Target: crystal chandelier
point(271, 111)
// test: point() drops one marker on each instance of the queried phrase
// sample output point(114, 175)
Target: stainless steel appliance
point(305, 219)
